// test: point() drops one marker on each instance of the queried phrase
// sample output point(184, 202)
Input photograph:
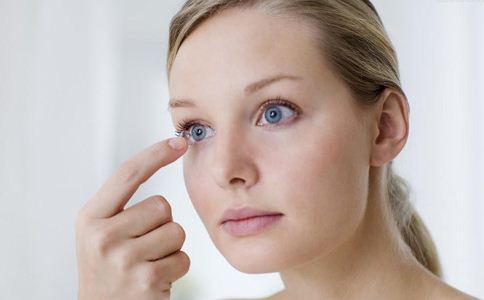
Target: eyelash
point(186, 124)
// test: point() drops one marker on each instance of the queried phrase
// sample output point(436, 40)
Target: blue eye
point(274, 111)
point(191, 129)
point(198, 132)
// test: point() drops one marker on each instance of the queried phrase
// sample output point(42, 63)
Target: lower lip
point(250, 226)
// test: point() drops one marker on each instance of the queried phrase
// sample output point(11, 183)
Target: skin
point(131, 253)
point(324, 170)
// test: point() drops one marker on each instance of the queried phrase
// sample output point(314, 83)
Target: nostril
point(237, 180)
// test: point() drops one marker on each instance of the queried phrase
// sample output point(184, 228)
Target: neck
point(375, 263)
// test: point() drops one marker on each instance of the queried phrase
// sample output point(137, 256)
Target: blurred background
point(83, 87)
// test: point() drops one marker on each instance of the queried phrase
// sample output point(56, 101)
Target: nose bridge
point(230, 147)
point(232, 162)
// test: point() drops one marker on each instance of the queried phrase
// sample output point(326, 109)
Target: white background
point(83, 87)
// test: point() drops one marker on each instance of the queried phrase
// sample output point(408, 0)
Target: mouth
point(248, 222)
point(243, 213)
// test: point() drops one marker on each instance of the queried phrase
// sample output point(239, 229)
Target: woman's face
point(306, 156)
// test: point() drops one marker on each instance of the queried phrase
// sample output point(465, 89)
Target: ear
point(391, 127)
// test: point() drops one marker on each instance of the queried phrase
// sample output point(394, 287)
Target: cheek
point(318, 178)
point(195, 184)
point(323, 186)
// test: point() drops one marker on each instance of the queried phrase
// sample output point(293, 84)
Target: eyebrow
point(250, 89)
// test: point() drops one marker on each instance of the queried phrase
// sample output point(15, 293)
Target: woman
point(293, 112)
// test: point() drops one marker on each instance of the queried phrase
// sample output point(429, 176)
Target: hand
point(131, 253)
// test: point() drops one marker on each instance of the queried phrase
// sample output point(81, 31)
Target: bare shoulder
point(457, 295)
point(245, 299)
point(276, 296)
point(242, 299)
point(447, 292)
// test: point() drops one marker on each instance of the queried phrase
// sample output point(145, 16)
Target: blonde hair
point(360, 51)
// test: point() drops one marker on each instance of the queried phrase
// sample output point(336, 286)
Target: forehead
point(238, 45)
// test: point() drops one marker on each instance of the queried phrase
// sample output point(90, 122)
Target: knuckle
point(177, 231)
point(184, 262)
point(103, 241)
point(102, 245)
point(124, 259)
point(128, 171)
point(83, 220)
point(151, 277)
point(161, 203)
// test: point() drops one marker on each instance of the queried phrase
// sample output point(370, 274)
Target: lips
point(245, 213)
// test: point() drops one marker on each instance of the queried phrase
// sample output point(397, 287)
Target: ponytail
point(411, 227)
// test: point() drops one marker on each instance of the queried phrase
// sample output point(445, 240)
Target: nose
point(233, 165)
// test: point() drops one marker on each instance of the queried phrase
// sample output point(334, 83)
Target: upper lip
point(244, 213)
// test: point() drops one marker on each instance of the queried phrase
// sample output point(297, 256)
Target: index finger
point(113, 195)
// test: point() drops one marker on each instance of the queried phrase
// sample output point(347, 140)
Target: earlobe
point(391, 127)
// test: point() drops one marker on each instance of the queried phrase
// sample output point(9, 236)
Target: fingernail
point(177, 143)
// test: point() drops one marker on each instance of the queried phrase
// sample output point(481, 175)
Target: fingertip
point(177, 143)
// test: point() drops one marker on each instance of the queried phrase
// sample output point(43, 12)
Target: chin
point(254, 265)
point(254, 255)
